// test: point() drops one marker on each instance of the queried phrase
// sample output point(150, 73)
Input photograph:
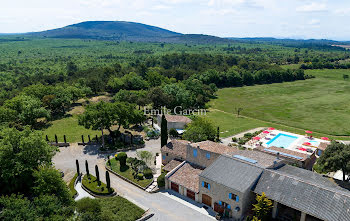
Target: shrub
point(140, 176)
point(122, 159)
point(88, 205)
point(148, 173)
point(173, 132)
point(241, 141)
point(248, 135)
point(234, 139)
point(161, 180)
point(130, 160)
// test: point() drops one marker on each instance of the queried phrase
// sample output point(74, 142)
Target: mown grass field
point(321, 104)
point(69, 126)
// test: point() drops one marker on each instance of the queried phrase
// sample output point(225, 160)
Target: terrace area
point(271, 138)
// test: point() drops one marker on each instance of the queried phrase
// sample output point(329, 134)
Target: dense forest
point(48, 75)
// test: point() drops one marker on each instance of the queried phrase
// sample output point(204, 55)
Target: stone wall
point(201, 159)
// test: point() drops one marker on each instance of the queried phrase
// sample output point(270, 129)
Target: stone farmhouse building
point(227, 180)
point(174, 121)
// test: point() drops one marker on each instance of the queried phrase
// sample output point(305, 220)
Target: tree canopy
point(21, 154)
point(200, 129)
point(336, 157)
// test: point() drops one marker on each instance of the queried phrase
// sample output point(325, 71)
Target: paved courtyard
point(163, 206)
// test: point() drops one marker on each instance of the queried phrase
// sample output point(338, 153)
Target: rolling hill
point(138, 32)
point(108, 30)
point(125, 31)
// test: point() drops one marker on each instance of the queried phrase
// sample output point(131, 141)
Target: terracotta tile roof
point(187, 176)
point(177, 118)
point(282, 150)
point(323, 146)
point(213, 147)
point(171, 165)
point(176, 147)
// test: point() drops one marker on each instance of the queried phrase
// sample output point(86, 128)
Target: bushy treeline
point(325, 65)
point(236, 78)
point(187, 80)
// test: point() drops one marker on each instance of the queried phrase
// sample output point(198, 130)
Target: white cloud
point(161, 7)
point(313, 7)
point(219, 11)
point(314, 22)
point(342, 11)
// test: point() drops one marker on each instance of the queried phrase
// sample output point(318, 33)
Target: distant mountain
point(124, 31)
point(108, 30)
point(132, 31)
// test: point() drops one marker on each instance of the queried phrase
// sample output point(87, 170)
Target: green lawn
point(69, 126)
point(127, 173)
point(94, 186)
point(321, 105)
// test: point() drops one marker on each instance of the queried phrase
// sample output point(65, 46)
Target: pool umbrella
point(324, 138)
point(307, 143)
point(266, 132)
point(256, 138)
point(308, 132)
point(271, 128)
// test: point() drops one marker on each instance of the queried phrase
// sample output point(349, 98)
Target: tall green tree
point(87, 167)
point(97, 172)
point(200, 129)
point(163, 131)
point(263, 207)
point(336, 157)
point(21, 154)
point(27, 109)
point(104, 115)
point(48, 181)
point(108, 180)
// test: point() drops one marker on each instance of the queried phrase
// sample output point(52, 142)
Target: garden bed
point(95, 187)
point(71, 186)
point(127, 173)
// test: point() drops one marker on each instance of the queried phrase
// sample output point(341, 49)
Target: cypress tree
point(218, 135)
point(97, 173)
point(87, 167)
point(108, 180)
point(78, 169)
point(164, 131)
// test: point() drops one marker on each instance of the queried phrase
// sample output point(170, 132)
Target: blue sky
point(224, 18)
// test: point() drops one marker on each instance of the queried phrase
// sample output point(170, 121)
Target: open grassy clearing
point(69, 126)
point(321, 105)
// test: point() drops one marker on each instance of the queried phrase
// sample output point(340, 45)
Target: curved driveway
point(164, 207)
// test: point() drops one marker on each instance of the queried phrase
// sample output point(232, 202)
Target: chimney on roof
point(278, 155)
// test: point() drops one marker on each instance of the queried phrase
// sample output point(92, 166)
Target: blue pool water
point(281, 140)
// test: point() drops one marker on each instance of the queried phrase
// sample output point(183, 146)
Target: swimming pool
point(282, 140)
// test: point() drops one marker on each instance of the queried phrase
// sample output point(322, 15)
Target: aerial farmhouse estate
point(227, 180)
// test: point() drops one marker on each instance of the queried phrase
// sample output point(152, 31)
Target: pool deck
point(296, 145)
